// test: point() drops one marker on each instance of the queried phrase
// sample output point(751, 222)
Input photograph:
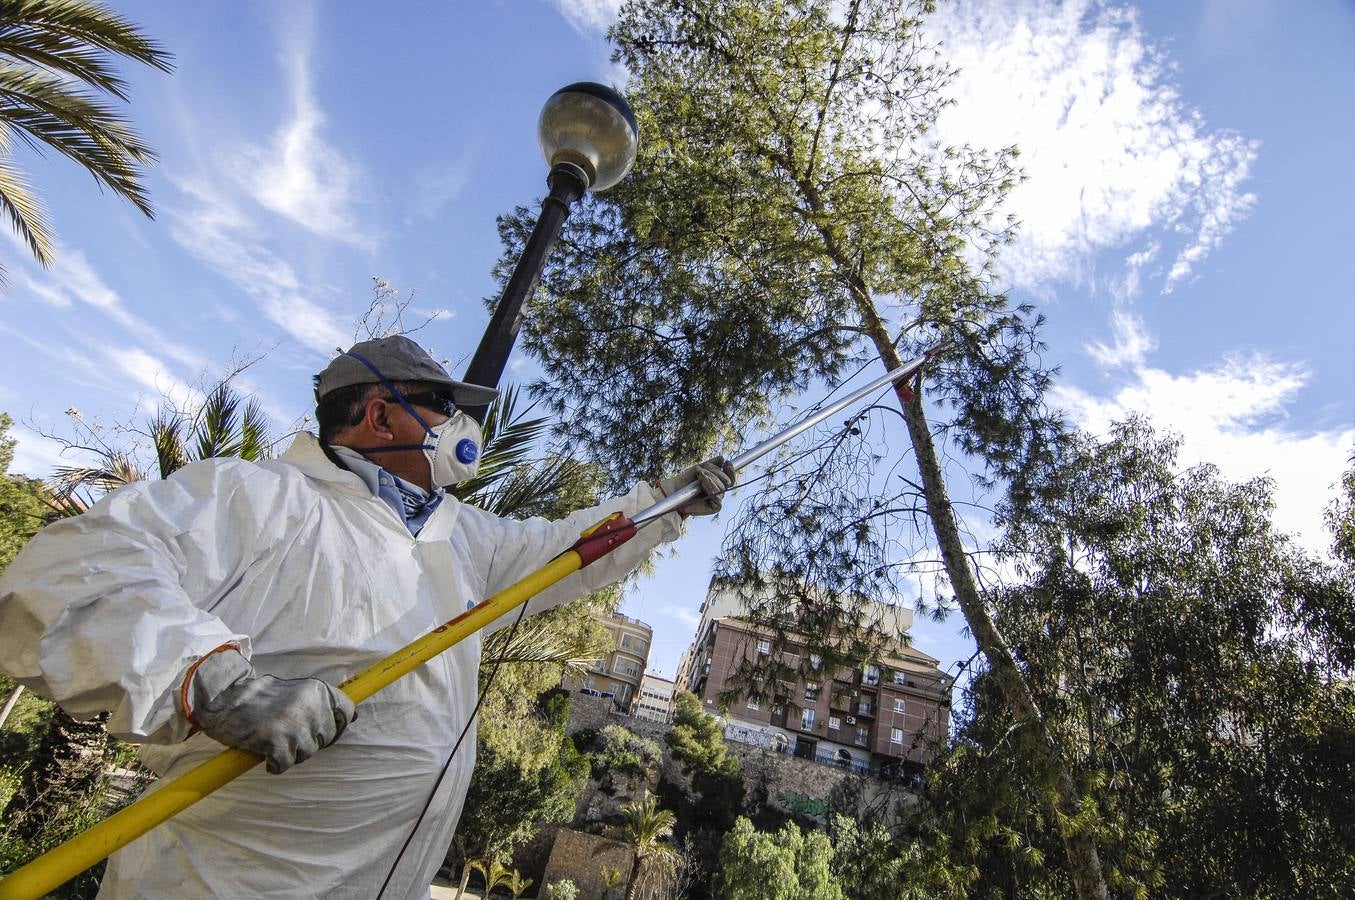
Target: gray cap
point(399, 359)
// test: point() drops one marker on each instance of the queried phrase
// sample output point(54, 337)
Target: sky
point(1184, 220)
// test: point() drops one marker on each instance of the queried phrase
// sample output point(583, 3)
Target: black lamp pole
point(589, 136)
point(567, 184)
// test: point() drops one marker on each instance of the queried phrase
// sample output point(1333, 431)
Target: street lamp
point(588, 136)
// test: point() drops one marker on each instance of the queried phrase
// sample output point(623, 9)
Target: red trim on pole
point(603, 538)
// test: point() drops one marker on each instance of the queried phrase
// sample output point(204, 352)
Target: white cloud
point(218, 234)
point(74, 279)
point(1132, 343)
point(34, 455)
point(1233, 416)
point(1112, 154)
point(439, 187)
point(298, 175)
point(150, 372)
point(683, 614)
point(589, 16)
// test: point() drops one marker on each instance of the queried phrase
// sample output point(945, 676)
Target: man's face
point(434, 406)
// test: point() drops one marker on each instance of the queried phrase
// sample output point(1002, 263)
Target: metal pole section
point(567, 184)
point(680, 497)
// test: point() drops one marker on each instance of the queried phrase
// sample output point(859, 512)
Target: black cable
point(522, 609)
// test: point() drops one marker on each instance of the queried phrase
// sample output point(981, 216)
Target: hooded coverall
point(313, 576)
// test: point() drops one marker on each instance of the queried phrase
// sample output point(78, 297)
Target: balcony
point(923, 684)
point(821, 757)
point(829, 758)
point(865, 709)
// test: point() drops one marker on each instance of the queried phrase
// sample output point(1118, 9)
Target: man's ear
point(376, 414)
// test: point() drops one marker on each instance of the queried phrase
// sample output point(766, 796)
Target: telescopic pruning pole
point(62, 863)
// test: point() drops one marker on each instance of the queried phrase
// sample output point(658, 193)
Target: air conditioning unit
point(851, 720)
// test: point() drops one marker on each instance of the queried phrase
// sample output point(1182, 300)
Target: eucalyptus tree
point(52, 53)
point(789, 219)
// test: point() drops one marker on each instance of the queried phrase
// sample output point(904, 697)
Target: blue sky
point(1185, 217)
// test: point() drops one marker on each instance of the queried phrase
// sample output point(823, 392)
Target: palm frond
point(75, 40)
point(42, 108)
point(26, 213)
point(508, 443)
point(536, 641)
point(215, 429)
point(117, 469)
point(166, 431)
point(48, 23)
point(254, 441)
point(533, 489)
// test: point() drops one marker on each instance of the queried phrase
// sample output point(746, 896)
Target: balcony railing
point(822, 757)
point(829, 758)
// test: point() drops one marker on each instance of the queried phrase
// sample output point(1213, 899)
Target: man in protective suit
point(222, 605)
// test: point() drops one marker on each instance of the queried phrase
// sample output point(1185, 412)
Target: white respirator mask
point(453, 450)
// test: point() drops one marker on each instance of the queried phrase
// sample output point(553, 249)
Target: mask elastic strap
point(401, 398)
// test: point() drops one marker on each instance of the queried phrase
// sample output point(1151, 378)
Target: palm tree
point(492, 871)
point(224, 425)
point(644, 831)
point(49, 51)
point(515, 883)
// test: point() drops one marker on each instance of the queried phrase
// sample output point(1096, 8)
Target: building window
point(752, 703)
point(815, 661)
point(898, 705)
point(861, 737)
point(871, 675)
point(807, 719)
point(834, 723)
point(896, 735)
point(900, 677)
point(764, 646)
point(811, 690)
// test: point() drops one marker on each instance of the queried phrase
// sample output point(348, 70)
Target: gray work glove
point(715, 475)
point(284, 720)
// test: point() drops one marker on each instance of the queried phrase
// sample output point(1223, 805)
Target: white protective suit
point(314, 576)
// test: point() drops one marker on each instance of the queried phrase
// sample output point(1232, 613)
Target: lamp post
point(588, 136)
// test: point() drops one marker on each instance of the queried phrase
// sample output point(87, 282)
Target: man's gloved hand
point(284, 720)
point(715, 475)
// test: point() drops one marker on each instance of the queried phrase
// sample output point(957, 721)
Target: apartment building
point(618, 675)
point(655, 702)
point(881, 716)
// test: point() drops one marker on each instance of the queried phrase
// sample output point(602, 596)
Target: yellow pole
point(59, 865)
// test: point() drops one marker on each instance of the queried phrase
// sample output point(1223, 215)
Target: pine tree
point(790, 218)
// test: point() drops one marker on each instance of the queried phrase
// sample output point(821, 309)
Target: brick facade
point(851, 716)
